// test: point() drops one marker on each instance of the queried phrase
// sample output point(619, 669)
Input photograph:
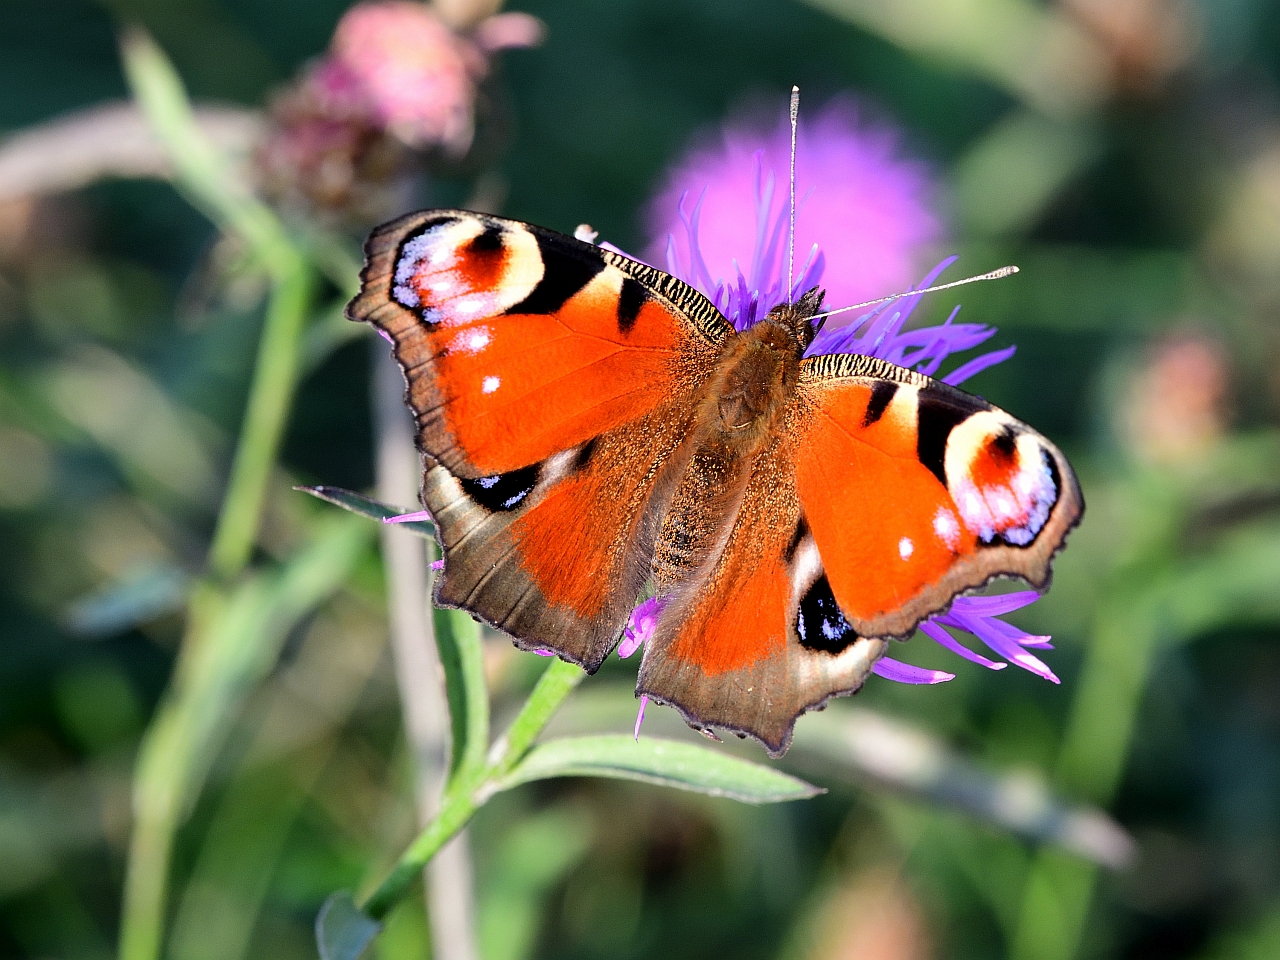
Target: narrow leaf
point(343, 930)
point(148, 594)
point(202, 173)
point(462, 660)
point(368, 507)
point(667, 763)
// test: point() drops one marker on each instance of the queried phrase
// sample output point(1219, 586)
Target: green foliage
point(196, 694)
point(342, 930)
point(664, 763)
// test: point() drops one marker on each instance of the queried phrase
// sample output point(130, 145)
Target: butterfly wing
point(726, 651)
point(885, 496)
point(915, 491)
point(551, 382)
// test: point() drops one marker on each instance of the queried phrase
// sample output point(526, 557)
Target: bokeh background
point(1125, 153)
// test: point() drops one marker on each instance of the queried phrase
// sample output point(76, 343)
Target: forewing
point(519, 343)
point(552, 384)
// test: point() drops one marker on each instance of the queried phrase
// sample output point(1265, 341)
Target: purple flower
point(397, 85)
point(862, 209)
point(644, 620)
point(865, 207)
point(415, 74)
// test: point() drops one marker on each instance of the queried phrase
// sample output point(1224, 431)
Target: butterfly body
point(593, 429)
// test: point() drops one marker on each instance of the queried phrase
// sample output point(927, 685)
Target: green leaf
point(343, 930)
point(462, 660)
point(667, 763)
point(202, 173)
point(368, 507)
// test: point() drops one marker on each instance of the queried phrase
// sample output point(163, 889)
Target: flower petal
point(963, 372)
point(994, 606)
point(644, 702)
point(900, 672)
point(640, 628)
point(1011, 649)
point(866, 205)
point(939, 635)
point(409, 517)
point(507, 30)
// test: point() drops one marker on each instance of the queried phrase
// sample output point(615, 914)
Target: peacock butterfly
point(592, 429)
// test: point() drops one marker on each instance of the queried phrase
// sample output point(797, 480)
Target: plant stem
point(203, 174)
point(556, 683)
point(1127, 628)
point(270, 398)
point(161, 780)
point(459, 806)
point(155, 815)
point(471, 789)
point(450, 889)
point(1059, 888)
point(460, 635)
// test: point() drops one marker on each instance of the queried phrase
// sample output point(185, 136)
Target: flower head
point(860, 205)
point(862, 212)
point(415, 75)
point(396, 80)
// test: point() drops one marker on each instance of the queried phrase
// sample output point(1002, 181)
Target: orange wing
point(745, 645)
point(519, 343)
point(915, 491)
point(552, 384)
point(885, 496)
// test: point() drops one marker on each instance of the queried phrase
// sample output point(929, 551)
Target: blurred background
point(1125, 153)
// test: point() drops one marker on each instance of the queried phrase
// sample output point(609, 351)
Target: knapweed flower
point(721, 225)
point(417, 76)
point(866, 207)
point(396, 82)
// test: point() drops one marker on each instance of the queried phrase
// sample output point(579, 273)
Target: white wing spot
point(490, 384)
point(946, 527)
point(469, 306)
point(478, 339)
point(906, 548)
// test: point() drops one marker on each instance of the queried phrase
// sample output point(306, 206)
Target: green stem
point(1059, 888)
point(270, 398)
point(158, 782)
point(165, 766)
point(471, 789)
point(161, 780)
point(155, 818)
point(203, 174)
point(459, 806)
point(556, 683)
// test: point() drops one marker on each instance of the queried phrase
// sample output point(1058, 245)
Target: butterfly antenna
point(993, 275)
point(791, 233)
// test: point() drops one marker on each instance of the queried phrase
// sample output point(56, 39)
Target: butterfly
point(593, 430)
